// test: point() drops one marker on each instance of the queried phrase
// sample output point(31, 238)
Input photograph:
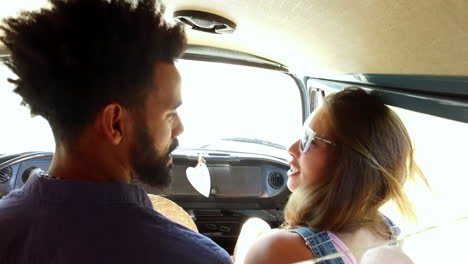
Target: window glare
point(219, 101)
point(441, 147)
point(223, 101)
point(19, 131)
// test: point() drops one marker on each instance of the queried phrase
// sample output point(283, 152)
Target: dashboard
point(243, 185)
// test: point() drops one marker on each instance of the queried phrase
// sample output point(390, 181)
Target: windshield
point(231, 107)
point(225, 107)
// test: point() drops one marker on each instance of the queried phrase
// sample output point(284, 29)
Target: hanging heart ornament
point(199, 177)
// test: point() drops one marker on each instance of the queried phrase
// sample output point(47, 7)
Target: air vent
point(5, 174)
point(276, 180)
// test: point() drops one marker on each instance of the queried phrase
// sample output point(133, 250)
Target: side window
point(441, 151)
point(20, 131)
point(316, 96)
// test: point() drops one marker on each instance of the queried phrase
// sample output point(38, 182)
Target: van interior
point(252, 73)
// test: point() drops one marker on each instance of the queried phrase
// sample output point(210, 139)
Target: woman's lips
point(292, 174)
point(293, 171)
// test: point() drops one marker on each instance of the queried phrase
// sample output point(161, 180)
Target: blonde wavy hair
point(373, 158)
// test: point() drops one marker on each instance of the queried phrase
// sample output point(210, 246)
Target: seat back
point(172, 211)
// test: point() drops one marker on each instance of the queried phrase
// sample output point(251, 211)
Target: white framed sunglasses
point(309, 136)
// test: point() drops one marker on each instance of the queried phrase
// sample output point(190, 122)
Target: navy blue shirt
point(68, 221)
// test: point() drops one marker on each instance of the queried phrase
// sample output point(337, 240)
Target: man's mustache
point(174, 145)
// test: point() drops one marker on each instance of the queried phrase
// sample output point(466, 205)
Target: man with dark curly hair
point(102, 73)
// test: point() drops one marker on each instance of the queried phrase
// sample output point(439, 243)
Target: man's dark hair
point(80, 55)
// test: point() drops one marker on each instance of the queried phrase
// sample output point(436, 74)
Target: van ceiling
point(360, 36)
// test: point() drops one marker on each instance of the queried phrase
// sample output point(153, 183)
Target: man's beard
point(151, 168)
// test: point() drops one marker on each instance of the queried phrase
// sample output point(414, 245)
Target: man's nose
point(178, 129)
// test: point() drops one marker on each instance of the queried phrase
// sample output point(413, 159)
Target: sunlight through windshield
point(225, 107)
point(228, 107)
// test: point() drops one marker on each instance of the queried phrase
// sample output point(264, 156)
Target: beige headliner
point(372, 36)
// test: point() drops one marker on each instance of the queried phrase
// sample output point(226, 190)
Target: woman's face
point(311, 166)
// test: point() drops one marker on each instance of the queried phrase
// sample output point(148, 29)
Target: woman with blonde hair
point(355, 155)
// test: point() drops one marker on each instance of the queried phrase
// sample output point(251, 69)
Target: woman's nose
point(293, 150)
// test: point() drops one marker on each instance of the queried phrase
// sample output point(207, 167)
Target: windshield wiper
point(256, 141)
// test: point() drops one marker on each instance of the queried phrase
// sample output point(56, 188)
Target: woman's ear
point(113, 123)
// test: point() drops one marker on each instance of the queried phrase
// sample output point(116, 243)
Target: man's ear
point(113, 123)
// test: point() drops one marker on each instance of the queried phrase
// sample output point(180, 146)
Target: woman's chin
point(292, 185)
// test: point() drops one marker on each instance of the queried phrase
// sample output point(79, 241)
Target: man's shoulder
point(113, 227)
point(188, 244)
point(12, 204)
point(153, 236)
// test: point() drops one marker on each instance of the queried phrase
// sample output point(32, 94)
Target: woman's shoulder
point(385, 254)
point(279, 235)
point(278, 246)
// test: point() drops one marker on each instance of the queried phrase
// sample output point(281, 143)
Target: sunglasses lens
point(305, 142)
